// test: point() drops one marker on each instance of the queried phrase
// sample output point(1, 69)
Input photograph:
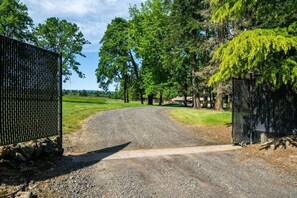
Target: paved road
point(100, 162)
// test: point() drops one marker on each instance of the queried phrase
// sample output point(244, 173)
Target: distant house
point(181, 100)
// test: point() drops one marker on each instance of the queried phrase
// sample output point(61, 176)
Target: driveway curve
point(143, 128)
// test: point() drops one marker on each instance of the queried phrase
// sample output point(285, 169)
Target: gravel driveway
point(186, 174)
point(143, 128)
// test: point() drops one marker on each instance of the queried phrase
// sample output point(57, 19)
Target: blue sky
point(92, 16)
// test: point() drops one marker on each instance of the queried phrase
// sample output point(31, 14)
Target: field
point(76, 109)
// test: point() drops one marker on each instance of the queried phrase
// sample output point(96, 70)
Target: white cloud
point(92, 16)
point(64, 7)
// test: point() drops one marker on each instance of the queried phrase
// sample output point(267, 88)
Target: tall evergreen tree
point(188, 35)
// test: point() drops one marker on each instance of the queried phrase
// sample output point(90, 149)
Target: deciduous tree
point(116, 62)
point(62, 37)
point(148, 32)
point(15, 21)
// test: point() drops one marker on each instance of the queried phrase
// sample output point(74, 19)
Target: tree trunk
point(125, 89)
point(228, 103)
point(219, 98)
point(219, 102)
point(136, 72)
point(161, 99)
point(141, 96)
point(211, 99)
point(195, 99)
point(125, 101)
point(205, 98)
point(185, 94)
point(150, 99)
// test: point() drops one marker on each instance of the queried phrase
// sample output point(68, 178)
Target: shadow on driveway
point(47, 168)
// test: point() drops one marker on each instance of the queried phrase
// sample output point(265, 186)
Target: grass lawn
point(201, 117)
point(77, 109)
point(208, 124)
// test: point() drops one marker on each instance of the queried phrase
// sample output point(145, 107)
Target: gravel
point(143, 128)
point(218, 174)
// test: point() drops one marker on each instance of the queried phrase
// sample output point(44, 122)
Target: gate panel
point(30, 92)
point(275, 111)
point(260, 108)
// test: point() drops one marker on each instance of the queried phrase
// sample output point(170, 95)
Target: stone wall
point(32, 150)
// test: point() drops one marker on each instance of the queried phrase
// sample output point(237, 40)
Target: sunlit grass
point(201, 117)
point(77, 109)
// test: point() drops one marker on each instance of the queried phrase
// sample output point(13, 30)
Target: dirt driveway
point(114, 155)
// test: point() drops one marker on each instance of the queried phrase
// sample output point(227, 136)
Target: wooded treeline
point(170, 48)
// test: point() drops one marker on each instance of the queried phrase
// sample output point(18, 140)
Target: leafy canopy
point(14, 20)
point(147, 30)
point(269, 52)
point(255, 13)
point(62, 37)
point(114, 54)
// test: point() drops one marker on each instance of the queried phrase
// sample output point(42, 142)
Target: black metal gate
point(259, 109)
point(31, 99)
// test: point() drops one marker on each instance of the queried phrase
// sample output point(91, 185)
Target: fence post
point(60, 101)
point(233, 111)
point(251, 108)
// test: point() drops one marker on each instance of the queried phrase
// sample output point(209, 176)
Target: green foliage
point(255, 13)
point(83, 93)
point(230, 9)
point(179, 47)
point(14, 20)
point(172, 90)
point(117, 63)
point(189, 32)
point(147, 36)
point(62, 37)
point(267, 42)
point(114, 54)
point(269, 52)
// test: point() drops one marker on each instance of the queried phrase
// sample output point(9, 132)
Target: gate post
point(60, 102)
point(251, 108)
point(232, 137)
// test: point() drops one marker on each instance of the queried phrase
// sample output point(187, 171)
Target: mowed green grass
point(201, 117)
point(77, 109)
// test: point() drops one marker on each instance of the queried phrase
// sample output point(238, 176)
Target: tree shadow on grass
point(85, 102)
point(47, 168)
